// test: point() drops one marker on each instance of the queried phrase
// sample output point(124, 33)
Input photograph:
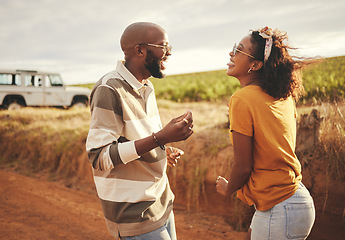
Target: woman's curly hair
point(280, 74)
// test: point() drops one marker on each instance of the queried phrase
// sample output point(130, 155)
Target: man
point(126, 141)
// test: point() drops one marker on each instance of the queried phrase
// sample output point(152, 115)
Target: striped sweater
point(135, 194)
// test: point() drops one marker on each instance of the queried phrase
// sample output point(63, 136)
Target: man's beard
point(153, 65)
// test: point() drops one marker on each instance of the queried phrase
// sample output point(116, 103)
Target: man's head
point(145, 46)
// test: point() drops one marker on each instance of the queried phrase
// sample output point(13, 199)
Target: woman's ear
point(257, 65)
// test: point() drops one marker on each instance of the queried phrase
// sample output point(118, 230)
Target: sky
point(80, 39)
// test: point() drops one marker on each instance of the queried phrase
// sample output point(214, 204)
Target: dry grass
point(332, 138)
point(205, 114)
point(324, 159)
point(44, 140)
point(51, 142)
point(190, 175)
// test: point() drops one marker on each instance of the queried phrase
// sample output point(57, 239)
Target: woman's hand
point(222, 185)
point(173, 155)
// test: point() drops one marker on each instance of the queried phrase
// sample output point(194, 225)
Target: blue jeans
point(166, 232)
point(290, 219)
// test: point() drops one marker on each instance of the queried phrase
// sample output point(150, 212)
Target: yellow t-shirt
point(271, 123)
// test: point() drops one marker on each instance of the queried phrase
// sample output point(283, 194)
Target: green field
point(194, 87)
point(51, 142)
point(324, 81)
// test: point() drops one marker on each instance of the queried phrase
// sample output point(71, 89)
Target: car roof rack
point(28, 71)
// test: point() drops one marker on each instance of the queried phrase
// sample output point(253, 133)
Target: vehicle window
point(33, 80)
point(10, 79)
point(55, 80)
point(47, 81)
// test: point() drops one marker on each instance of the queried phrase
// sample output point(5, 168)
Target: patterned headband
point(267, 33)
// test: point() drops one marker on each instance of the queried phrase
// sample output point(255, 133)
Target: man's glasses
point(167, 49)
point(235, 49)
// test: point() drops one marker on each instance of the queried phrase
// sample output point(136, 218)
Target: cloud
point(80, 39)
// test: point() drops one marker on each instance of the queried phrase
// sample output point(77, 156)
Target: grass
point(204, 86)
point(44, 140)
point(323, 82)
point(332, 138)
point(52, 141)
point(326, 81)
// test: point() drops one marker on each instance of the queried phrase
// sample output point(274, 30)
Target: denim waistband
point(301, 195)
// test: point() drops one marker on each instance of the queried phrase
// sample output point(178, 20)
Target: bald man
point(126, 141)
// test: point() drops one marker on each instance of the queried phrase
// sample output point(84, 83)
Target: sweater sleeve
point(102, 145)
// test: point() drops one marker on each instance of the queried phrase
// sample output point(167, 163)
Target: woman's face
point(240, 62)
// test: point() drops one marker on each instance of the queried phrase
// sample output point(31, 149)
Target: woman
point(266, 172)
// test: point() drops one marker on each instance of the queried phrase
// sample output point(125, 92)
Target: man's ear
point(139, 50)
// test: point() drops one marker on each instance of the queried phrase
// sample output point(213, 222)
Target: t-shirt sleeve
point(240, 117)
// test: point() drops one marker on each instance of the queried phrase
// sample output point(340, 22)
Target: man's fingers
point(186, 117)
point(189, 116)
point(181, 117)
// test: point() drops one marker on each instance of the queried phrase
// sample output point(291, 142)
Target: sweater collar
point(129, 77)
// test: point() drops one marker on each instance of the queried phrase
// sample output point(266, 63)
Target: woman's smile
point(230, 64)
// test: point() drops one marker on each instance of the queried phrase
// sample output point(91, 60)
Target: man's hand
point(177, 129)
point(173, 154)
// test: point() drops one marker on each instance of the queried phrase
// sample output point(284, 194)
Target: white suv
point(19, 88)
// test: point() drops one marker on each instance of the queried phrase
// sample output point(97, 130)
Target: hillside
point(49, 144)
point(324, 81)
point(45, 149)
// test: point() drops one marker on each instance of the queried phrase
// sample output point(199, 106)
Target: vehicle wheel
point(79, 104)
point(14, 105)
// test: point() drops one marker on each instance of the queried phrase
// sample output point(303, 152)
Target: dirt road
point(32, 208)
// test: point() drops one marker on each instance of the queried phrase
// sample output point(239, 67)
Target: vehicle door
point(55, 91)
point(33, 93)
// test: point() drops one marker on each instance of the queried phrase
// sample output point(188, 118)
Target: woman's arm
point(242, 167)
